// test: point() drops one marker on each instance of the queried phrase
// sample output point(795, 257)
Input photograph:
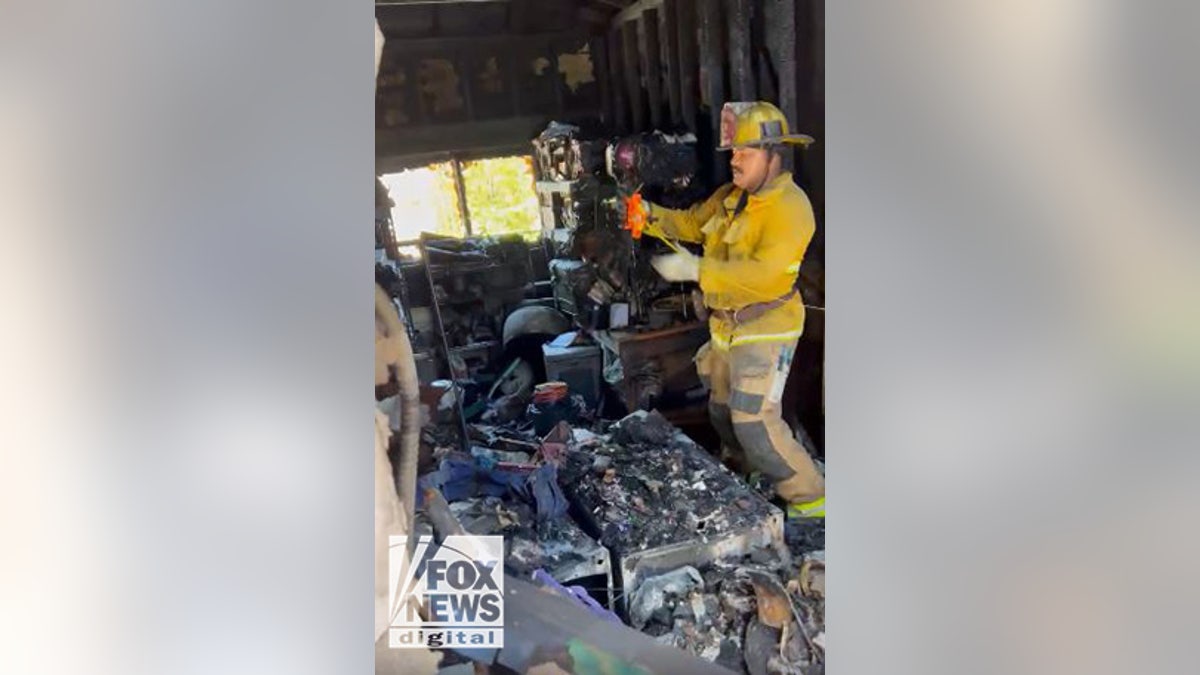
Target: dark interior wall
point(485, 77)
point(481, 77)
point(674, 63)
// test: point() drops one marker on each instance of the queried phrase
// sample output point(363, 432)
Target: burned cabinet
point(654, 369)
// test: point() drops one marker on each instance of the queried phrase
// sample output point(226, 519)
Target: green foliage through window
point(425, 201)
point(501, 197)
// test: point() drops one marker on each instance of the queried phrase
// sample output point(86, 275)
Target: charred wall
point(487, 77)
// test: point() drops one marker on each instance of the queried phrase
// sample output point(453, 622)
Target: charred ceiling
point(486, 77)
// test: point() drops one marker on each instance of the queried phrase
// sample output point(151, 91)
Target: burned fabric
point(559, 547)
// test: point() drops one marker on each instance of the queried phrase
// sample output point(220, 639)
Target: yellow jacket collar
point(768, 191)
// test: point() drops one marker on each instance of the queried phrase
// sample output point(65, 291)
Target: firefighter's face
point(750, 167)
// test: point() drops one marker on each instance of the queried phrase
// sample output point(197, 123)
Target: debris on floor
point(740, 616)
point(557, 546)
point(648, 485)
point(651, 595)
point(634, 520)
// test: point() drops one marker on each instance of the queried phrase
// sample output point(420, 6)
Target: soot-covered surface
point(647, 485)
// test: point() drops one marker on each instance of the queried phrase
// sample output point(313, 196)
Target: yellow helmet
point(755, 124)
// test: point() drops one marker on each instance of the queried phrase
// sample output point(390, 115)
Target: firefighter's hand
point(654, 229)
point(623, 209)
point(681, 266)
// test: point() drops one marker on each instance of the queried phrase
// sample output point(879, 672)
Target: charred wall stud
point(741, 73)
point(780, 22)
point(616, 78)
point(461, 65)
point(669, 37)
point(461, 190)
point(652, 65)
point(712, 78)
point(633, 80)
point(599, 48)
point(685, 31)
point(560, 94)
point(811, 107)
point(511, 68)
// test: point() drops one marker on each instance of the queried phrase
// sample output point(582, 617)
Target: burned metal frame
point(465, 439)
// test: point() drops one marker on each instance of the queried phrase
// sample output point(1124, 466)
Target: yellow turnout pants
point(745, 385)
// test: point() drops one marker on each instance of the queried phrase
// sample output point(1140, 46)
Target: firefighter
point(755, 231)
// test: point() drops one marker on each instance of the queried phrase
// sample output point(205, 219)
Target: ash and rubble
point(751, 618)
point(640, 483)
point(557, 546)
point(646, 484)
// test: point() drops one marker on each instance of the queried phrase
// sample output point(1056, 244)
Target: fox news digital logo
point(458, 586)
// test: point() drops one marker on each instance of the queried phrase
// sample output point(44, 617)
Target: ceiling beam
point(633, 11)
point(439, 45)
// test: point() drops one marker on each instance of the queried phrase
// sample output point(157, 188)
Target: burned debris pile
point(741, 616)
point(636, 521)
point(648, 486)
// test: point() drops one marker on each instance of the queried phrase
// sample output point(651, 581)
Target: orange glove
point(637, 214)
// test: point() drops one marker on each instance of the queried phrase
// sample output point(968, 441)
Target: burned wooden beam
point(560, 94)
point(669, 36)
point(460, 188)
point(633, 80)
point(685, 32)
point(450, 44)
point(462, 65)
point(512, 133)
point(652, 65)
point(712, 79)
point(616, 74)
point(512, 74)
point(741, 72)
point(811, 113)
point(764, 67)
point(599, 49)
point(780, 24)
point(633, 10)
